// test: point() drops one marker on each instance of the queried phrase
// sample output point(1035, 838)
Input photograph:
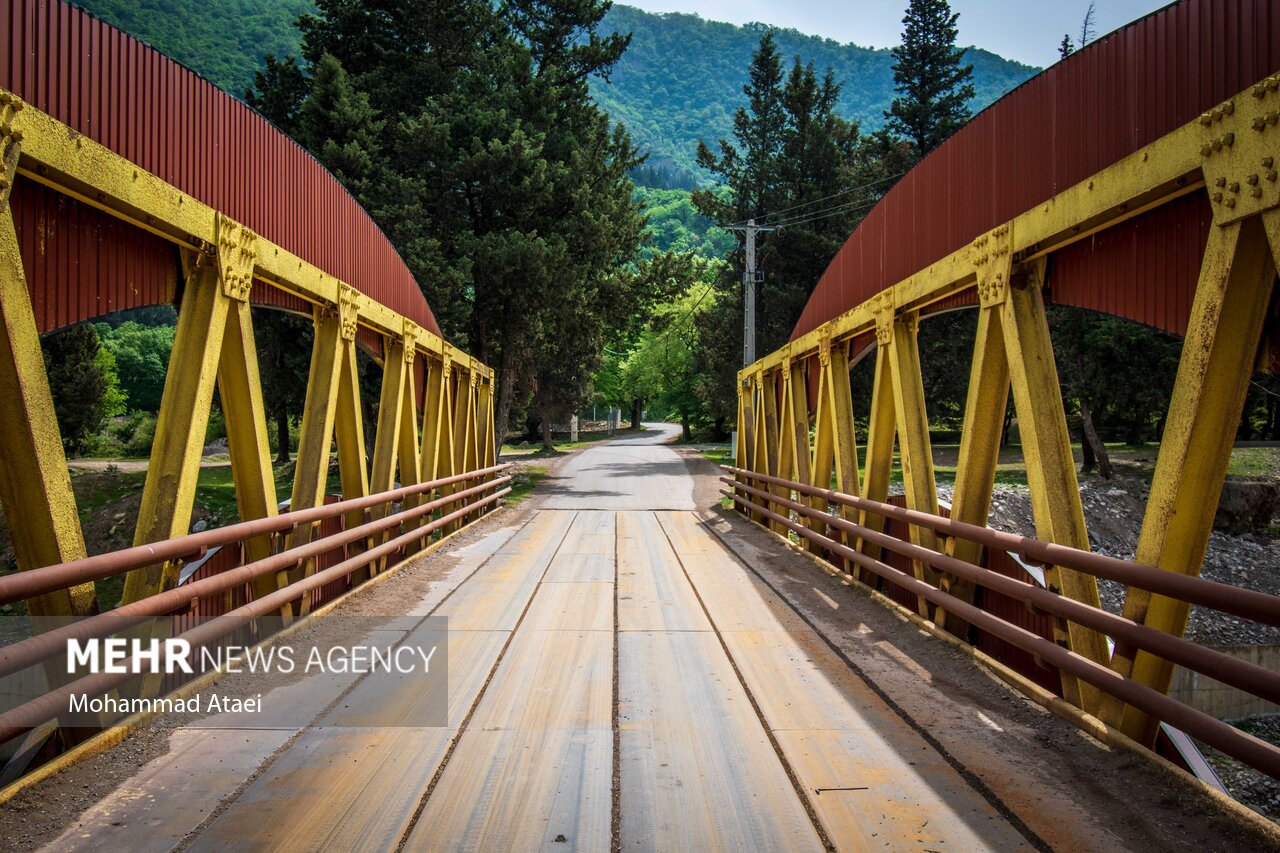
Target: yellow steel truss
point(1230, 152)
point(223, 262)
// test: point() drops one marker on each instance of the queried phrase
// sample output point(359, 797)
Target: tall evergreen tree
point(796, 164)
point(465, 127)
point(934, 87)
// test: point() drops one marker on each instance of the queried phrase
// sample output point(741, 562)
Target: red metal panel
point(179, 126)
point(1074, 119)
point(90, 263)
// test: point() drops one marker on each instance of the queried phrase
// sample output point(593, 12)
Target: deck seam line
point(267, 763)
point(790, 772)
point(965, 773)
point(615, 810)
point(475, 704)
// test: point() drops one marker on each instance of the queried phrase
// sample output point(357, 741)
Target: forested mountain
point(680, 80)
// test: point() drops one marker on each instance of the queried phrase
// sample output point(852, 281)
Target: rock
point(213, 448)
point(1247, 506)
point(200, 526)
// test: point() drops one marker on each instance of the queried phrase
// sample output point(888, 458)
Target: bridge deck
point(618, 677)
point(736, 726)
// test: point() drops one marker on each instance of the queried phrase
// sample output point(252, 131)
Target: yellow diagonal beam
point(1236, 279)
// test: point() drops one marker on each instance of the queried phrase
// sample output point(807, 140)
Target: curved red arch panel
point(1074, 119)
point(177, 125)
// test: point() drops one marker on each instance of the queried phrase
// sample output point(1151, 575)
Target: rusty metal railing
point(416, 523)
point(1245, 603)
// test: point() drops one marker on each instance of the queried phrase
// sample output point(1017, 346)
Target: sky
point(1026, 30)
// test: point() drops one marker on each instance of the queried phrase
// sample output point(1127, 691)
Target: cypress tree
point(934, 87)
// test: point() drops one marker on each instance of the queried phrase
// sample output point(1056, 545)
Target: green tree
point(82, 379)
point(794, 165)
point(142, 357)
point(467, 130)
point(1116, 377)
point(283, 342)
point(933, 85)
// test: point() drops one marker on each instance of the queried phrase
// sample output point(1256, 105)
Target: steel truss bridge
point(622, 671)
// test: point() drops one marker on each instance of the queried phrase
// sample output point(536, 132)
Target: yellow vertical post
point(742, 457)
point(794, 452)
point(35, 486)
point(353, 468)
point(488, 454)
point(767, 435)
point(386, 441)
point(835, 452)
point(1051, 472)
point(436, 447)
point(241, 395)
point(913, 439)
point(880, 435)
point(409, 452)
point(987, 399)
point(169, 492)
point(240, 390)
point(311, 472)
point(463, 433)
point(1218, 355)
point(985, 405)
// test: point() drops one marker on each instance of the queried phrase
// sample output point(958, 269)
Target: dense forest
point(679, 81)
point(737, 122)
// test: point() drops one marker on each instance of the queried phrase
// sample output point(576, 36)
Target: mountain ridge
point(680, 81)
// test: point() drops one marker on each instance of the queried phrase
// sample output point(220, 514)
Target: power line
point(763, 219)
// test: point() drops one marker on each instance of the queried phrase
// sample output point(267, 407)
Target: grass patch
point(719, 455)
point(523, 482)
point(1254, 462)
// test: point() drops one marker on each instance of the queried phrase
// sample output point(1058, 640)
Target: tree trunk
point(547, 443)
point(637, 407)
point(1093, 442)
point(282, 432)
point(685, 432)
point(718, 428)
point(502, 411)
point(1008, 422)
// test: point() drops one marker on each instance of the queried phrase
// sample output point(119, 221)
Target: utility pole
point(749, 280)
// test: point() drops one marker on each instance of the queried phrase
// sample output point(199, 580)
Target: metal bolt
point(1256, 192)
point(1217, 144)
point(1228, 139)
point(1259, 123)
point(1206, 119)
point(1206, 150)
point(1235, 186)
point(1220, 182)
point(1270, 175)
point(1267, 161)
point(1217, 197)
point(1228, 108)
point(1252, 180)
point(1229, 201)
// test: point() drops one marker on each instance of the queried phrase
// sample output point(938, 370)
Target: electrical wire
point(763, 219)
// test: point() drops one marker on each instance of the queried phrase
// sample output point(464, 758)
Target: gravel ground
point(1256, 790)
point(1113, 510)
